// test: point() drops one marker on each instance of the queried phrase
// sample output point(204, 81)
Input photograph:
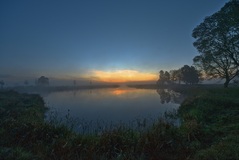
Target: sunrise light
point(123, 76)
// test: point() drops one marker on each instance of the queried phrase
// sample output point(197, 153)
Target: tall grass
point(98, 126)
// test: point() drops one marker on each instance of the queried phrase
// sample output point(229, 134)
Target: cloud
point(122, 76)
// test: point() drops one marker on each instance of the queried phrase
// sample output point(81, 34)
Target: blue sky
point(74, 39)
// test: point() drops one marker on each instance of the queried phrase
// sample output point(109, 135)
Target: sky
point(97, 40)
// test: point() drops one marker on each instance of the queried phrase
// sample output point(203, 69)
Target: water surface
point(112, 105)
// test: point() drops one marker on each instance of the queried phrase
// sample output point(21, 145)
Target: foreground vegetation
point(209, 129)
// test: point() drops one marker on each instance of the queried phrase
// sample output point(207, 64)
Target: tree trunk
point(226, 83)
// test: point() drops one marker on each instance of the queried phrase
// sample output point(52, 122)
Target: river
point(98, 109)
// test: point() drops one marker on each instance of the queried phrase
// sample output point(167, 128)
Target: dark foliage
point(217, 39)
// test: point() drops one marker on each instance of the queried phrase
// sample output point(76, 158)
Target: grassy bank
point(209, 129)
point(213, 121)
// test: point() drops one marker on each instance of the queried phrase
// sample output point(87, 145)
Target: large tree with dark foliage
point(217, 40)
point(189, 74)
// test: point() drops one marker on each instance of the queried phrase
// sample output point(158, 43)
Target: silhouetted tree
point(167, 77)
point(163, 77)
point(189, 74)
point(176, 75)
point(43, 81)
point(217, 39)
point(2, 84)
point(160, 80)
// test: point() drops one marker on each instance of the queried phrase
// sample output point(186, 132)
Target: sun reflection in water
point(120, 91)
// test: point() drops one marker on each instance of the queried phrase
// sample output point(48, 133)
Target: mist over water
point(110, 106)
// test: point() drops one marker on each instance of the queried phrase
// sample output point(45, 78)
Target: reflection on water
point(119, 91)
point(112, 106)
point(168, 95)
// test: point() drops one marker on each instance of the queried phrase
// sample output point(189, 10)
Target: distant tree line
point(187, 74)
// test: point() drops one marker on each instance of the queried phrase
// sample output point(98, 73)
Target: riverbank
point(212, 123)
point(209, 130)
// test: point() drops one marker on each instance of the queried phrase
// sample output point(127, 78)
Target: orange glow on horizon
point(123, 76)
